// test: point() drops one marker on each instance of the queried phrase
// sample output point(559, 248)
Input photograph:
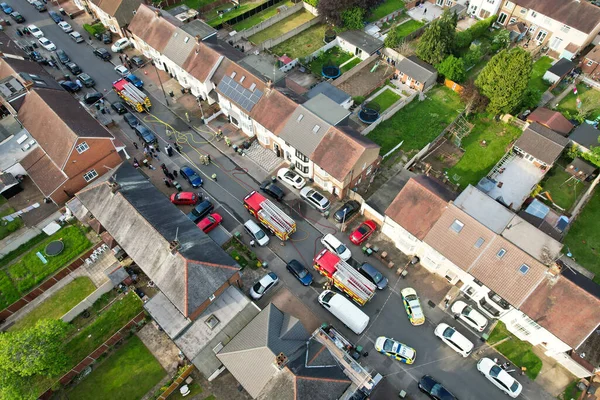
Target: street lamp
point(160, 81)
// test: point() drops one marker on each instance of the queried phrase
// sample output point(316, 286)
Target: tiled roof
point(304, 131)
point(419, 205)
point(153, 26)
point(585, 135)
point(201, 61)
point(40, 168)
point(580, 15)
point(241, 87)
point(594, 54)
point(542, 143)
point(551, 119)
point(416, 68)
point(273, 110)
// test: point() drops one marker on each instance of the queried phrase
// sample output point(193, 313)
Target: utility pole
point(160, 81)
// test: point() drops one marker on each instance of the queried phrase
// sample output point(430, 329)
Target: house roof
point(532, 240)
point(28, 71)
point(585, 135)
point(594, 54)
point(332, 92)
point(304, 130)
point(9, 47)
point(562, 67)
point(327, 109)
point(484, 209)
point(362, 40)
point(339, 152)
point(144, 223)
point(580, 168)
point(40, 168)
point(551, 119)
point(263, 66)
point(419, 205)
point(185, 39)
point(565, 309)
point(580, 15)
point(121, 10)
point(273, 110)
point(542, 143)
point(198, 29)
point(201, 61)
point(270, 333)
point(241, 87)
point(154, 26)
point(416, 68)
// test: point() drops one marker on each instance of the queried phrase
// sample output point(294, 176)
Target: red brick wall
point(589, 69)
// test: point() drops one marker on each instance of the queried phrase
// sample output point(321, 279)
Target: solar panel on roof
point(237, 93)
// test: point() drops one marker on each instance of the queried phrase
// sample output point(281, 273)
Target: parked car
point(55, 16)
point(256, 232)
point(93, 97)
point(121, 70)
point(35, 31)
point(137, 82)
point(272, 190)
point(6, 8)
point(41, 7)
point(119, 107)
point(76, 36)
point(131, 120)
point(334, 245)
point(66, 28)
point(62, 56)
point(146, 135)
point(469, 315)
point(102, 53)
point(86, 80)
point(361, 233)
point(434, 389)
point(209, 223)
point(17, 17)
point(37, 57)
point(69, 86)
point(106, 37)
point(453, 338)
point(191, 176)
point(265, 284)
point(396, 350)
point(138, 61)
point(74, 68)
point(200, 211)
point(412, 305)
point(291, 178)
point(346, 211)
point(315, 199)
point(184, 198)
point(300, 272)
point(499, 377)
point(120, 45)
point(47, 44)
point(371, 273)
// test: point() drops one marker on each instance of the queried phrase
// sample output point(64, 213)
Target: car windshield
point(467, 310)
point(363, 229)
point(448, 332)
point(341, 249)
point(328, 297)
point(495, 371)
point(260, 234)
point(514, 387)
point(388, 345)
point(258, 288)
point(377, 277)
point(211, 219)
point(301, 272)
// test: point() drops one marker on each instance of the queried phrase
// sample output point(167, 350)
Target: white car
point(120, 45)
point(334, 245)
point(76, 36)
point(315, 199)
point(291, 178)
point(122, 70)
point(47, 44)
point(499, 377)
point(261, 287)
point(454, 339)
point(65, 27)
point(35, 31)
point(470, 316)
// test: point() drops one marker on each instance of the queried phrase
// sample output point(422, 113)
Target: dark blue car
point(191, 176)
point(300, 272)
point(131, 78)
point(200, 211)
point(145, 134)
point(6, 8)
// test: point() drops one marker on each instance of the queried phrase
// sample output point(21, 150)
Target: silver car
point(315, 199)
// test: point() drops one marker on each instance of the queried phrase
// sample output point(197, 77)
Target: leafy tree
point(501, 40)
point(452, 68)
point(472, 98)
point(313, 3)
point(437, 41)
point(332, 10)
point(592, 156)
point(463, 39)
point(504, 80)
point(353, 18)
point(392, 40)
point(473, 56)
point(531, 98)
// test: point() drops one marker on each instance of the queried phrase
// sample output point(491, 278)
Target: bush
point(313, 3)
point(463, 39)
point(452, 68)
point(358, 99)
point(481, 27)
point(473, 56)
point(531, 98)
point(95, 29)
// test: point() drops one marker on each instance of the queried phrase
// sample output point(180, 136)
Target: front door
point(439, 3)
point(277, 149)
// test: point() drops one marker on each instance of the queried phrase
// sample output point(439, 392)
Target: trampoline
point(330, 70)
point(369, 113)
point(54, 248)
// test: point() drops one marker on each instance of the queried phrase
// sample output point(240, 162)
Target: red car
point(209, 223)
point(184, 198)
point(361, 233)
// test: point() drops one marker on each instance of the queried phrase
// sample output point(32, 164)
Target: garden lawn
point(419, 122)
point(478, 160)
point(335, 56)
point(517, 351)
point(6, 228)
point(587, 96)
point(351, 65)
point(408, 27)
point(539, 69)
point(563, 194)
point(213, 19)
point(583, 239)
point(302, 44)
point(59, 303)
point(385, 8)
point(195, 389)
point(385, 99)
point(128, 373)
point(261, 16)
point(284, 26)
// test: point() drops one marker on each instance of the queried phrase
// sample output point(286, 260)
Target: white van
point(256, 233)
point(345, 311)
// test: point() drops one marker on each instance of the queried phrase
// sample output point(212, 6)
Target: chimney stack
point(158, 13)
point(114, 186)
point(281, 360)
point(174, 246)
point(198, 39)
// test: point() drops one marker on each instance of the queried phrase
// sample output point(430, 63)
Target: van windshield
point(328, 297)
point(260, 234)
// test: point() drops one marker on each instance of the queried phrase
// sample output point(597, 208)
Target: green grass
point(261, 16)
point(195, 389)
point(22, 249)
point(385, 99)
point(419, 122)
point(408, 27)
point(239, 258)
point(478, 160)
point(517, 351)
point(539, 69)
point(335, 56)
point(563, 194)
point(571, 391)
point(587, 96)
point(6, 228)
point(193, 4)
point(302, 44)
point(128, 373)
point(59, 303)
point(284, 26)
point(385, 8)
point(211, 397)
point(213, 19)
point(583, 239)
point(351, 65)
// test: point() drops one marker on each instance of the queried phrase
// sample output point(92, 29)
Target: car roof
point(265, 280)
point(368, 268)
point(185, 168)
point(332, 240)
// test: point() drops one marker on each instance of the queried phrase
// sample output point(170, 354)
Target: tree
point(353, 18)
point(332, 10)
point(473, 56)
point(313, 3)
point(392, 40)
point(452, 68)
point(437, 40)
point(504, 79)
point(531, 98)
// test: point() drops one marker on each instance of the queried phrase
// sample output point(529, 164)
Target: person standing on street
point(252, 243)
point(135, 145)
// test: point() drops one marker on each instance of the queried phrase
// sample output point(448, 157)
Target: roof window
point(479, 243)
point(233, 74)
point(524, 269)
point(299, 117)
point(457, 226)
point(501, 253)
point(252, 87)
point(316, 128)
point(242, 78)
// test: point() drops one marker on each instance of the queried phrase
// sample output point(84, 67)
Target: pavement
point(237, 176)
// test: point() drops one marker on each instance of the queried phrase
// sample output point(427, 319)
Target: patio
point(425, 11)
point(365, 80)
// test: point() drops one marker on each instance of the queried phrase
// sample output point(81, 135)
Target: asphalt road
point(387, 314)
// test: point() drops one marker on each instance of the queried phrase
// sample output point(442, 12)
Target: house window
point(533, 14)
point(502, 18)
point(90, 175)
point(532, 28)
point(449, 3)
point(252, 87)
point(457, 226)
point(501, 253)
point(242, 78)
point(83, 146)
point(302, 168)
point(508, 4)
point(524, 269)
point(565, 28)
point(316, 128)
point(233, 74)
point(212, 321)
point(555, 43)
point(512, 20)
point(491, 1)
point(288, 156)
point(541, 36)
point(301, 156)
point(479, 243)
point(369, 169)
point(589, 63)
point(524, 11)
point(299, 117)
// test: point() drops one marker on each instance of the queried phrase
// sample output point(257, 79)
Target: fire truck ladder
point(136, 95)
point(280, 220)
point(355, 281)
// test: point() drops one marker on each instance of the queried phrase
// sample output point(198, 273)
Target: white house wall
point(404, 241)
point(477, 5)
point(244, 122)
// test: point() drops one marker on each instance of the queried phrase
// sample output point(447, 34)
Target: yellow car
point(396, 350)
point(412, 305)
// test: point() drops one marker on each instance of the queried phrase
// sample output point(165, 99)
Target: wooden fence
point(246, 33)
point(275, 41)
point(453, 86)
point(177, 382)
